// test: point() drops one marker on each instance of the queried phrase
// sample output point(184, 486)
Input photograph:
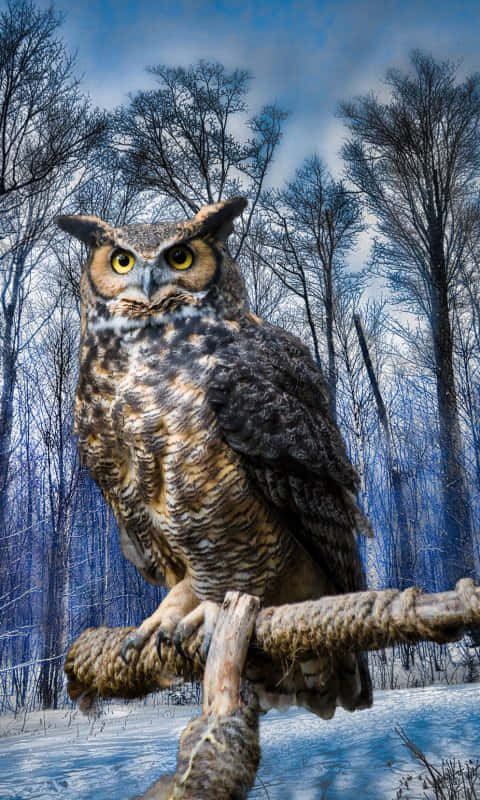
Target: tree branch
point(327, 627)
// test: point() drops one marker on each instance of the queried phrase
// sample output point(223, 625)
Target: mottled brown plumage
point(209, 433)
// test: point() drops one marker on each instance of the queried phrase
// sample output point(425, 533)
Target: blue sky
point(306, 55)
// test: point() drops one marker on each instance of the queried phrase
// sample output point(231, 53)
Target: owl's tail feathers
point(366, 696)
point(355, 684)
point(348, 684)
point(319, 684)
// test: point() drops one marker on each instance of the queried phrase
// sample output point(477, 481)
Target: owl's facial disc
point(137, 273)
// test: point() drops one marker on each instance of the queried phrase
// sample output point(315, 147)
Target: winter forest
point(398, 337)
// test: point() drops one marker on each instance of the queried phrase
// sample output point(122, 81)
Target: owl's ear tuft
point(217, 218)
point(89, 229)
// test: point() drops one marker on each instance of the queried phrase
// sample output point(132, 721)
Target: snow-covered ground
point(351, 757)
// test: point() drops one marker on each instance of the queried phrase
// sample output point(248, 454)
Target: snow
point(351, 757)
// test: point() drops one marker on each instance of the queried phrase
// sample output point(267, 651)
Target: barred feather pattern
point(181, 494)
point(272, 404)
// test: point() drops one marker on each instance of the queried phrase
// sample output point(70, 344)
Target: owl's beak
point(148, 282)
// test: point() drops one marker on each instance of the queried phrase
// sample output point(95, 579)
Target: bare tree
point(55, 362)
point(416, 159)
point(315, 222)
point(46, 135)
point(467, 347)
point(401, 538)
point(191, 142)
point(28, 242)
point(45, 122)
point(268, 295)
point(467, 359)
point(355, 403)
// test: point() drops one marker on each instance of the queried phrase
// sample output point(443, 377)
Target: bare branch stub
point(219, 752)
point(228, 652)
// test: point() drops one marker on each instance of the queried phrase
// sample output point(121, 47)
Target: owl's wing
point(271, 402)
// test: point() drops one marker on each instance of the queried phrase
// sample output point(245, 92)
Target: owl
point(209, 433)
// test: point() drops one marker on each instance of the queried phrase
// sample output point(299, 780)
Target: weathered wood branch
point(330, 626)
point(219, 752)
point(228, 653)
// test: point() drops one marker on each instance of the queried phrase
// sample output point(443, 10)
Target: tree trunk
point(456, 537)
point(332, 369)
point(405, 561)
point(403, 555)
point(6, 410)
point(50, 685)
point(9, 353)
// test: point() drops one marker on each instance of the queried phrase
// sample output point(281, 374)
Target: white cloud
point(305, 55)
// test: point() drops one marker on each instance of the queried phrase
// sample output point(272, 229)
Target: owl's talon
point(163, 637)
point(133, 641)
point(205, 646)
point(201, 621)
point(178, 640)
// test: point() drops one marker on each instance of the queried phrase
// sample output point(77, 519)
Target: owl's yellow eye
point(122, 261)
point(179, 257)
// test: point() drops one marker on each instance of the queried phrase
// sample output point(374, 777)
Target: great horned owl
point(209, 433)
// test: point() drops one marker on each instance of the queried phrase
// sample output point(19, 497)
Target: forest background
point(397, 335)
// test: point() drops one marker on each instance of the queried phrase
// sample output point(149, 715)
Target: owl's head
point(136, 274)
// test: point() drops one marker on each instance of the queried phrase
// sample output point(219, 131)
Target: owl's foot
point(177, 604)
point(133, 641)
point(203, 616)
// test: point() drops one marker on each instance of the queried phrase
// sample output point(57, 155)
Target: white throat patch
point(120, 323)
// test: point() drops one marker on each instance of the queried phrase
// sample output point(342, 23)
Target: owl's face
point(137, 274)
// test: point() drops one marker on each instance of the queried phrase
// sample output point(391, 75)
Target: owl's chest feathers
point(151, 440)
point(141, 410)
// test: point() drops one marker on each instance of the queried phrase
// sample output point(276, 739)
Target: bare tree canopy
point(46, 135)
point(416, 158)
point(190, 140)
point(44, 120)
point(315, 221)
